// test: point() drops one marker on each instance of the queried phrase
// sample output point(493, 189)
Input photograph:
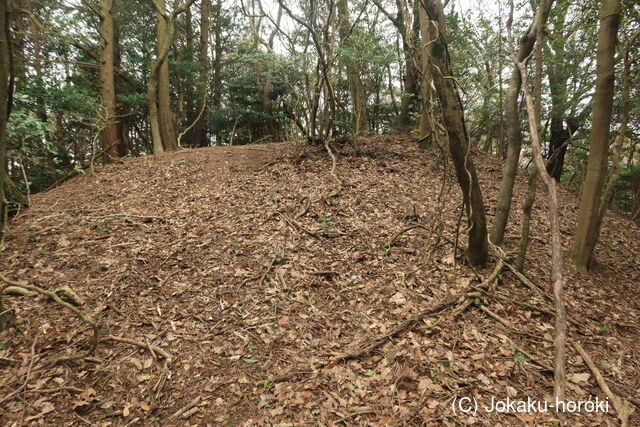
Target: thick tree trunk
point(453, 117)
point(107, 81)
point(199, 131)
point(587, 228)
point(165, 115)
point(514, 130)
point(358, 94)
point(157, 122)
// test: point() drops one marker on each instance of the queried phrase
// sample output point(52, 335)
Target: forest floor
point(236, 262)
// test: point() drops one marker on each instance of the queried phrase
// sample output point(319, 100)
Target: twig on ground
point(298, 226)
point(353, 415)
point(142, 345)
point(27, 375)
point(273, 261)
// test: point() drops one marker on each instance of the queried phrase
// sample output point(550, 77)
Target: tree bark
point(4, 112)
point(165, 115)
point(557, 275)
point(107, 81)
point(624, 125)
point(514, 130)
point(216, 98)
point(156, 121)
point(426, 121)
point(453, 117)
point(587, 228)
point(410, 95)
point(356, 88)
point(199, 131)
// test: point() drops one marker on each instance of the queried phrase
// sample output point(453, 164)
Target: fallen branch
point(146, 346)
point(407, 324)
point(545, 309)
point(363, 351)
point(621, 405)
point(83, 317)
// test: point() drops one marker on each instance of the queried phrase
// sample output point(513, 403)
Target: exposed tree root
point(335, 177)
point(393, 238)
point(82, 316)
point(296, 225)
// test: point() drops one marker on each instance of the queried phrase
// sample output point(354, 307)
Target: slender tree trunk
point(607, 194)
point(121, 109)
point(558, 87)
point(199, 131)
point(410, 97)
point(527, 208)
point(557, 275)
point(426, 121)
point(514, 130)
point(4, 116)
point(587, 228)
point(453, 117)
point(165, 115)
point(358, 94)
point(216, 99)
point(107, 81)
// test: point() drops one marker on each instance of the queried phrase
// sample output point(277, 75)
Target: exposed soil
point(211, 255)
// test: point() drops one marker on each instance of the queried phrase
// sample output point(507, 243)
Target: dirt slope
point(212, 255)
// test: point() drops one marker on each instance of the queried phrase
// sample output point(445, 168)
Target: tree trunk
point(199, 131)
point(165, 115)
point(514, 130)
point(157, 122)
point(107, 82)
point(216, 98)
point(624, 125)
point(426, 121)
point(4, 112)
point(410, 97)
point(358, 94)
point(587, 228)
point(453, 117)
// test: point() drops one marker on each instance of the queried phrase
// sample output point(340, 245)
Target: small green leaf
point(265, 384)
point(519, 357)
point(351, 386)
point(249, 360)
point(252, 347)
point(446, 363)
point(369, 373)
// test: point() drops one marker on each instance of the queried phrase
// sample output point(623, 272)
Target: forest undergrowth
point(273, 284)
